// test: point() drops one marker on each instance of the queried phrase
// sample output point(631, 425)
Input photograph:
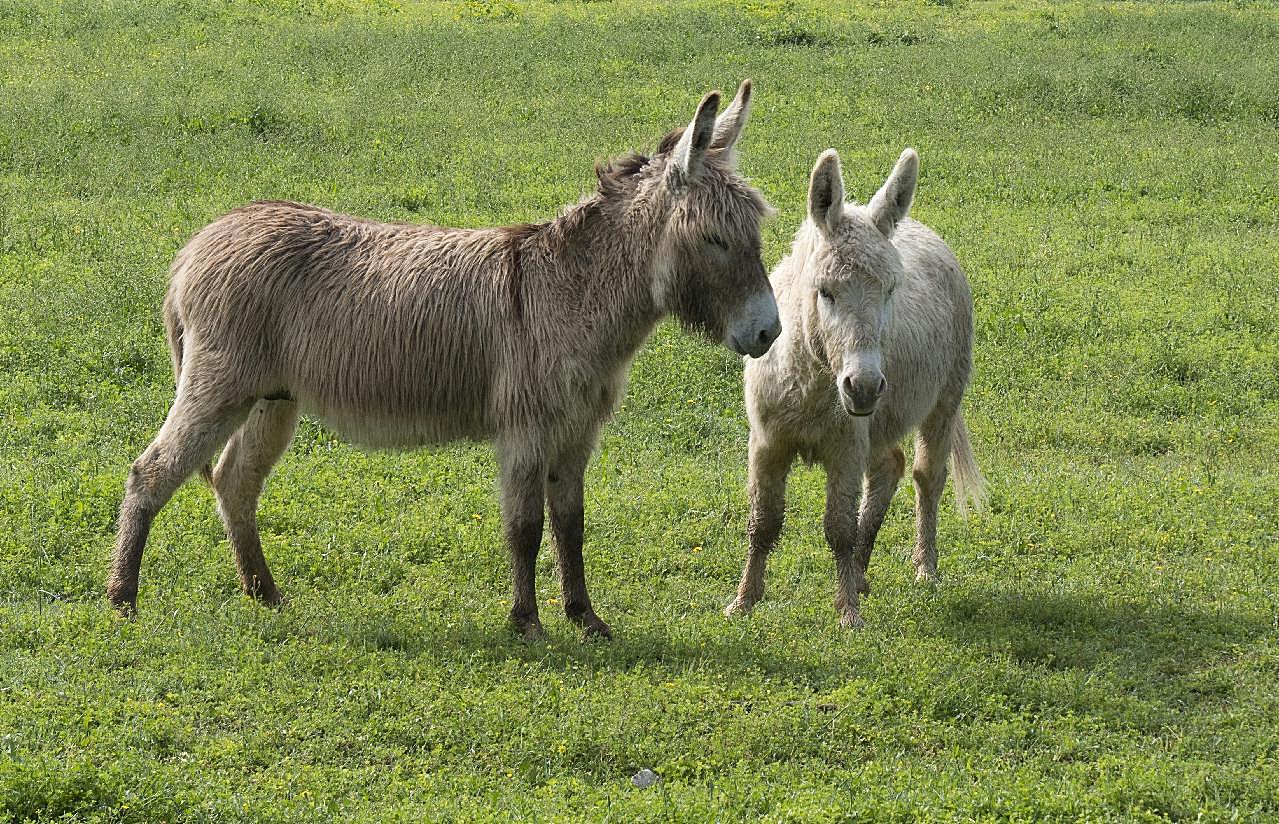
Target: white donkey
point(877, 321)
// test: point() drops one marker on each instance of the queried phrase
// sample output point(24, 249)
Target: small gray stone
point(645, 778)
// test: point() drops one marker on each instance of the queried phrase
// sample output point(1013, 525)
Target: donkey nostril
point(847, 385)
point(883, 384)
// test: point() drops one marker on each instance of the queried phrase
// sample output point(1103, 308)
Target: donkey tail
point(173, 330)
point(970, 486)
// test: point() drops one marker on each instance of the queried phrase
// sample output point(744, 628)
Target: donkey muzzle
point(859, 392)
point(756, 326)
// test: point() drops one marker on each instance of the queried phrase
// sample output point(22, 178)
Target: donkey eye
point(825, 294)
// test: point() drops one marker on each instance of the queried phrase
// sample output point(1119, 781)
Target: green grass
point(1104, 645)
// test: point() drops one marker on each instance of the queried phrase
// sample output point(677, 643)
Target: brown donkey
point(402, 335)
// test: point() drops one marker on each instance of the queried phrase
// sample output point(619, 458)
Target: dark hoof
point(592, 626)
point(262, 589)
point(125, 605)
point(595, 628)
point(127, 610)
point(851, 619)
point(529, 629)
point(273, 599)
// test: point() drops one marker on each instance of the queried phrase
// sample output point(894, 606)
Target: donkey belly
point(922, 376)
point(392, 387)
point(395, 432)
point(387, 405)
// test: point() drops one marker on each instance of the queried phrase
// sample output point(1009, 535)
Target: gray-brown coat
point(401, 335)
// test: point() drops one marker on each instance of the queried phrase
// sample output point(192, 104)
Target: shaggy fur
point(400, 335)
point(877, 342)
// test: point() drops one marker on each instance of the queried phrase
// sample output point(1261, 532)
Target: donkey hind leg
point(523, 481)
point(194, 429)
point(564, 501)
point(883, 471)
point(843, 488)
point(766, 490)
point(932, 451)
point(237, 481)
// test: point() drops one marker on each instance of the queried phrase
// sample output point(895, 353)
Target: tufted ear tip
point(909, 161)
point(729, 125)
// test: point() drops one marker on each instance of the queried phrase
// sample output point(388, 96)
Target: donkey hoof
point(851, 619)
point(273, 598)
point(529, 629)
point(595, 628)
point(124, 603)
point(591, 624)
point(126, 610)
point(739, 606)
point(927, 577)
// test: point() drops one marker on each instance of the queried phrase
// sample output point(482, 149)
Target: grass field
point(1105, 641)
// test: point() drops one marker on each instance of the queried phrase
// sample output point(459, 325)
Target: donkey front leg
point(522, 481)
point(843, 489)
point(883, 471)
point(766, 489)
point(564, 500)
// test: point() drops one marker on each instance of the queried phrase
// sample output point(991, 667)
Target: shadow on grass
point(1079, 630)
point(1173, 655)
point(1134, 664)
point(631, 648)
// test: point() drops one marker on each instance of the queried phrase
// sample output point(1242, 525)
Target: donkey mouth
point(753, 352)
point(854, 412)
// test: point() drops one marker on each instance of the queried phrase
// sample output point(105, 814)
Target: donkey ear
point(826, 192)
point(686, 157)
point(728, 126)
point(891, 203)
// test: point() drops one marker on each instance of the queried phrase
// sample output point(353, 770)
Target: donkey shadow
point(564, 649)
point(1165, 654)
point(1159, 654)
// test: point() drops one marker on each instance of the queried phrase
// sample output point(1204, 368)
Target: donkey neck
point(597, 261)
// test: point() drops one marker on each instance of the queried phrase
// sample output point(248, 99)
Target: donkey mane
point(617, 175)
point(614, 175)
point(616, 180)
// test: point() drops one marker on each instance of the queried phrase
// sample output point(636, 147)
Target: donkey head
point(708, 271)
point(852, 272)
